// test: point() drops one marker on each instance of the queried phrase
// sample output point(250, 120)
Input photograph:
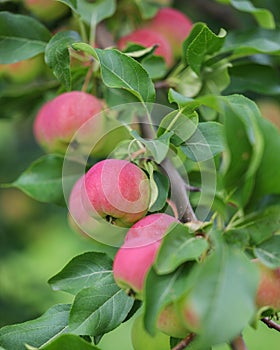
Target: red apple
point(59, 119)
point(173, 25)
point(268, 293)
point(137, 254)
point(118, 191)
point(47, 10)
point(148, 37)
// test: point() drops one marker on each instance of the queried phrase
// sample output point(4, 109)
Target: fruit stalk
point(185, 342)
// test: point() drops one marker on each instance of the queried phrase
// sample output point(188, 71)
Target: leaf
point(161, 291)
point(57, 55)
point(99, 309)
point(181, 100)
point(206, 142)
point(263, 16)
point(21, 37)
point(36, 332)
point(43, 180)
point(260, 225)
point(181, 123)
point(148, 8)
point(268, 173)
point(245, 43)
point(85, 270)
point(155, 66)
point(69, 342)
point(162, 183)
point(123, 72)
point(179, 245)
point(200, 43)
point(269, 252)
point(158, 147)
point(254, 77)
point(92, 12)
point(226, 283)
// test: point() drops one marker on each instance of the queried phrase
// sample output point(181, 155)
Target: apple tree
point(156, 135)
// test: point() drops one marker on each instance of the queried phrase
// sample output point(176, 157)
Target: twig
point(162, 84)
point(185, 342)
point(103, 37)
point(173, 207)
point(271, 324)
point(238, 344)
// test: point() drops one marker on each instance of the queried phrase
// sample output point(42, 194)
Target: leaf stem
point(271, 324)
point(185, 342)
point(238, 344)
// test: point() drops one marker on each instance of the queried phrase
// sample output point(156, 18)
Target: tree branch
point(185, 342)
point(271, 324)
point(238, 344)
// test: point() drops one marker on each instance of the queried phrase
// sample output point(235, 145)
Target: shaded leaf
point(69, 342)
point(269, 252)
point(21, 37)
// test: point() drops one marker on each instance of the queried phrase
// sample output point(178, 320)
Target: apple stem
point(271, 324)
point(238, 344)
point(173, 207)
point(87, 79)
point(185, 342)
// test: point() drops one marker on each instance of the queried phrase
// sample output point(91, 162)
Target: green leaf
point(161, 291)
point(181, 123)
point(92, 12)
point(21, 37)
point(158, 147)
point(268, 173)
point(260, 225)
point(245, 43)
point(99, 309)
point(254, 77)
point(182, 101)
point(148, 8)
point(57, 55)
point(155, 66)
point(244, 140)
point(269, 252)
point(206, 142)
point(43, 180)
point(226, 284)
point(85, 270)
point(201, 43)
point(178, 246)
point(69, 342)
point(36, 332)
point(263, 16)
point(123, 72)
point(162, 184)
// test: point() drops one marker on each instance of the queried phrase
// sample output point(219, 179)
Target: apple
point(142, 340)
point(118, 191)
point(137, 254)
point(80, 220)
point(24, 71)
point(60, 118)
point(174, 25)
point(148, 37)
point(47, 10)
point(268, 293)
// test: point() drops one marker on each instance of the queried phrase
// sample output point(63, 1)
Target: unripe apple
point(47, 10)
point(148, 37)
point(142, 340)
point(173, 25)
point(268, 293)
point(101, 232)
point(24, 71)
point(59, 119)
point(118, 191)
point(170, 323)
point(137, 254)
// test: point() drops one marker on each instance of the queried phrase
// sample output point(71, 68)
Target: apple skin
point(142, 340)
point(80, 220)
point(148, 37)
point(268, 293)
point(59, 119)
point(24, 71)
point(118, 191)
point(47, 10)
point(137, 254)
point(173, 25)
